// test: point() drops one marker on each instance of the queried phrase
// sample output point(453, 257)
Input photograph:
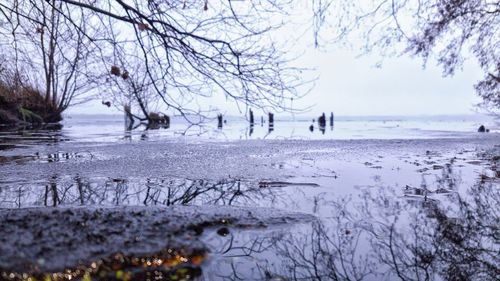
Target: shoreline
point(309, 178)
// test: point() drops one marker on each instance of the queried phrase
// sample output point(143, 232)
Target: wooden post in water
point(271, 122)
point(251, 118)
point(219, 121)
point(166, 120)
point(322, 123)
point(129, 119)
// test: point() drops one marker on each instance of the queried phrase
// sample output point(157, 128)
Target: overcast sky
point(348, 85)
point(401, 86)
point(351, 85)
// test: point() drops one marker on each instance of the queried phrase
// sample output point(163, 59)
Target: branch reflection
point(166, 191)
point(382, 238)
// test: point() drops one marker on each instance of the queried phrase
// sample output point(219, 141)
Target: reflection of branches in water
point(447, 184)
point(449, 180)
point(245, 259)
point(459, 241)
point(455, 241)
point(309, 252)
point(154, 191)
point(470, 238)
point(327, 252)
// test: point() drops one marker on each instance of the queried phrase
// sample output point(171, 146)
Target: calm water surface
point(395, 198)
point(111, 128)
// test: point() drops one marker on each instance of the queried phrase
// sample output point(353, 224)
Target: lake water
point(394, 197)
point(111, 128)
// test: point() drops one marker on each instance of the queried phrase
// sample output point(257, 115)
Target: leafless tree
point(130, 87)
point(190, 50)
point(449, 31)
point(194, 50)
point(40, 39)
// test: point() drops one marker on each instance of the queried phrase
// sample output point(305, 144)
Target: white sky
point(354, 86)
point(348, 85)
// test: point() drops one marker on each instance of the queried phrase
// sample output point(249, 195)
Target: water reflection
point(47, 158)
point(47, 135)
point(380, 238)
point(429, 232)
point(166, 191)
point(459, 242)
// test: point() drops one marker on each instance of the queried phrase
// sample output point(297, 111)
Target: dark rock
point(223, 231)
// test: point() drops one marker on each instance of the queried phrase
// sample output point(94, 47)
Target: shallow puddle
point(364, 210)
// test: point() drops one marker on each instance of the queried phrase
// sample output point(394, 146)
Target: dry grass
point(17, 99)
